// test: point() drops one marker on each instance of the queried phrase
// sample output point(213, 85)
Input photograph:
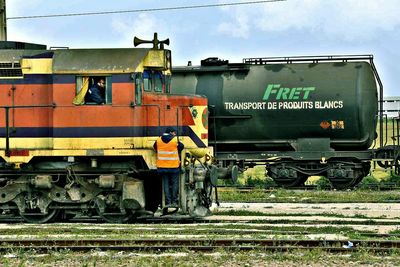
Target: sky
point(276, 29)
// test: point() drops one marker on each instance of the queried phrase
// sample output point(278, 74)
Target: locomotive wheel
point(153, 192)
point(35, 216)
point(111, 214)
point(206, 194)
point(114, 216)
point(117, 218)
point(287, 183)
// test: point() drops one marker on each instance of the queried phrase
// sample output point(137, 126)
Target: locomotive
point(62, 156)
point(298, 116)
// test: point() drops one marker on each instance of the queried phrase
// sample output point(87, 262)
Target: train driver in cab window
point(96, 93)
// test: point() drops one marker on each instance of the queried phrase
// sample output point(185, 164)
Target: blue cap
point(170, 130)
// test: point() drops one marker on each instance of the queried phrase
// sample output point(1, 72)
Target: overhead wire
point(144, 10)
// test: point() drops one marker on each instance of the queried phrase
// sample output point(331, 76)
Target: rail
point(386, 186)
point(333, 246)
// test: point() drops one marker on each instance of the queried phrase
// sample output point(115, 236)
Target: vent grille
point(10, 70)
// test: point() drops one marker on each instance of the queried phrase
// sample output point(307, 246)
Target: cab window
point(138, 88)
point(158, 82)
point(93, 90)
point(153, 81)
point(147, 81)
point(167, 84)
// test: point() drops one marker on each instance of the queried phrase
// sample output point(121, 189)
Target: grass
point(208, 231)
point(389, 133)
point(184, 257)
point(256, 257)
point(272, 215)
point(314, 196)
point(257, 176)
point(202, 230)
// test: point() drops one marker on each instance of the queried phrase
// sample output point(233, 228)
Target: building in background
point(391, 106)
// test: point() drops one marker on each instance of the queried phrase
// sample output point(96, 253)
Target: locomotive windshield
point(156, 81)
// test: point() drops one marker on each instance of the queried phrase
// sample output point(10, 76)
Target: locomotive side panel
point(26, 84)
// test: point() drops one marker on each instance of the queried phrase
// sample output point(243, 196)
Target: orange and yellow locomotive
point(64, 154)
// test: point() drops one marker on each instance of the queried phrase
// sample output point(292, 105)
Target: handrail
point(313, 59)
point(380, 101)
point(7, 113)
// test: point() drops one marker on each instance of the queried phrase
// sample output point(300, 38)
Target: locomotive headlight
point(194, 113)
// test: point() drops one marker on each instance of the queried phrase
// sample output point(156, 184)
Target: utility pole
point(3, 21)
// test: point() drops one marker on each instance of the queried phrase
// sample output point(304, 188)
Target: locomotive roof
point(98, 60)
point(16, 55)
point(110, 60)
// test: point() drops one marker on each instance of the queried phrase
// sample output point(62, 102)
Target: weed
point(317, 196)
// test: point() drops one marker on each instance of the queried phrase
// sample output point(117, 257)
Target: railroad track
point(370, 186)
point(334, 246)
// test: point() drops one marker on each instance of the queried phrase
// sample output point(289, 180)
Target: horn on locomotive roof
point(155, 42)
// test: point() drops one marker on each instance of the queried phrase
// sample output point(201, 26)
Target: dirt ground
point(373, 210)
point(386, 217)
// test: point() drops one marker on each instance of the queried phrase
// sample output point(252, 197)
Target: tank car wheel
point(340, 185)
point(397, 165)
point(385, 154)
point(346, 184)
point(35, 216)
point(286, 183)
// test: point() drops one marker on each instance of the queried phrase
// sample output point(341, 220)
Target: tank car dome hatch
point(214, 61)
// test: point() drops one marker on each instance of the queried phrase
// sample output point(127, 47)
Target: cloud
point(347, 20)
point(18, 7)
point(239, 28)
point(143, 26)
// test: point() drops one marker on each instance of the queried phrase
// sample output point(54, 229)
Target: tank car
point(63, 156)
point(300, 116)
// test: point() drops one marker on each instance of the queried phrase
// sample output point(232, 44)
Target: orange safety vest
point(167, 154)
